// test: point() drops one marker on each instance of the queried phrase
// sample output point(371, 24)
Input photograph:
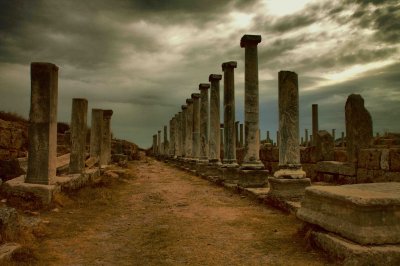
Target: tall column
point(165, 150)
point(42, 156)
point(105, 154)
point(306, 136)
point(278, 138)
point(171, 137)
point(215, 134)
point(237, 133)
point(159, 142)
point(229, 113)
point(268, 138)
point(334, 134)
point(289, 182)
point(314, 122)
point(343, 139)
point(251, 103)
point(78, 135)
point(203, 87)
point(221, 137)
point(178, 136)
point(154, 144)
point(189, 128)
point(182, 130)
point(96, 133)
point(196, 125)
point(289, 149)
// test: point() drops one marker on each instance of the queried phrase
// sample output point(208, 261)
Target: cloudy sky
point(143, 58)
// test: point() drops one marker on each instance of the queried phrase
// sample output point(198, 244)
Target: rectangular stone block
point(394, 156)
point(334, 167)
point(228, 174)
point(287, 189)
point(363, 213)
point(253, 178)
point(369, 159)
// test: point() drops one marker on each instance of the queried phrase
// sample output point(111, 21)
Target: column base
point(252, 178)
point(287, 189)
point(288, 173)
point(228, 173)
point(256, 165)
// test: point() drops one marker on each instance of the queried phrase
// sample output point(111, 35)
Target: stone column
point(178, 136)
point(306, 136)
point(159, 142)
point(78, 136)
point(289, 149)
point(289, 181)
point(334, 134)
point(165, 150)
point(268, 138)
point(42, 156)
point(343, 139)
point(278, 138)
point(203, 87)
point(105, 154)
point(196, 126)
point(229, 114)
point(171, 137)
point(215, 132)
point(251, 103)
point(314, 121)
point(221, 137)
point(237, 133)
point(96, 133)
point(182, 130)
point(154, 145)
point(241, 135)
point(189, 128)
point(359, 133)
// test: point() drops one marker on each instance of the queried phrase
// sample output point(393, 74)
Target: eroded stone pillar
point(154, 144)
point(306, 136)
point(343, 139)
point(159, 142)
point(289, 149)
point(96, 133)
point(189, 128)
point(78, 135)
point(203, 87)
point(171, 137)
point(196, 126)
point(178, 136)
point(215, 132)
point(241, 136)
point(165, 148)
point(314, 121)
point(42, 156)
point(105, 154)
point(183, 130)
point(359, 133)
point(251, 103)
point(334, 134)
point(229, 114)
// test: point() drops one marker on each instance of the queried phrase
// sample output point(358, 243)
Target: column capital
point(230, 64)
point(107, 113)
point(184, 107)
point(212, 77)
point(195, 95)
point(189, 101)
point(250, 40)
point(204, 86)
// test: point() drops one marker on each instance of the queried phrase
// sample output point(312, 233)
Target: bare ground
point(159, 215)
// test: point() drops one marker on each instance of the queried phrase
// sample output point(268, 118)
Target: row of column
point(42, 151)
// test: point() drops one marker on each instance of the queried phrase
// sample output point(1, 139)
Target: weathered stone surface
point(325, 145)
point(215, 140)
point(336, 168)
point(252, 178)
point(96, 133)
point(287, 188)
point(43, 123)
point(203, 87)
point(78, 135)
point(394, 163)
point(369, 158)
point(351, 253)
point(10, 169)
point(340, 155)
point(229, 113)
point(315, 127)
point(13, 139)
point(228, 173)
point(384, 161)
point(358, 126)
point(105, 155)
point(9, 224)
point(196, 126)
point(189, 128)
point(363, 213)
point(7, 250)
point(182, 130)
point(92, 161)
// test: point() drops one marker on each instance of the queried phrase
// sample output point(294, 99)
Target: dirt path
point(164, 216)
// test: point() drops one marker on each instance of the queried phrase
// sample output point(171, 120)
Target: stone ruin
point(360, 222)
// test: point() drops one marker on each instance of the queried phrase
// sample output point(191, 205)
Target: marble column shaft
point(196, 125)
point(165, 150)
point(215, 135)
point(171, 137)
point(105, 154)
point(178, 136)
point(96, 133)
point(189, 128)
point(251, 103)
point(229, 113)
point(182, 130)
point(203, 87)
point(42, 155)
point(78, 135)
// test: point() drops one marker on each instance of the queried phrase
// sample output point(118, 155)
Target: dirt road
point(159, 215)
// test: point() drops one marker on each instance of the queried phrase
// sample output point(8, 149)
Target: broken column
point(359, 132)
point(105, 154)
point(334, 134)
point(42, 156)
point(159, 142)
point(215, 140)
point(290, 180)
point(96, 133)
point(78, 135)
point(196, 126)
point(203, 87)
point(154, 145)
point(189, 128)
point(250, 174)
point(314, 121)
